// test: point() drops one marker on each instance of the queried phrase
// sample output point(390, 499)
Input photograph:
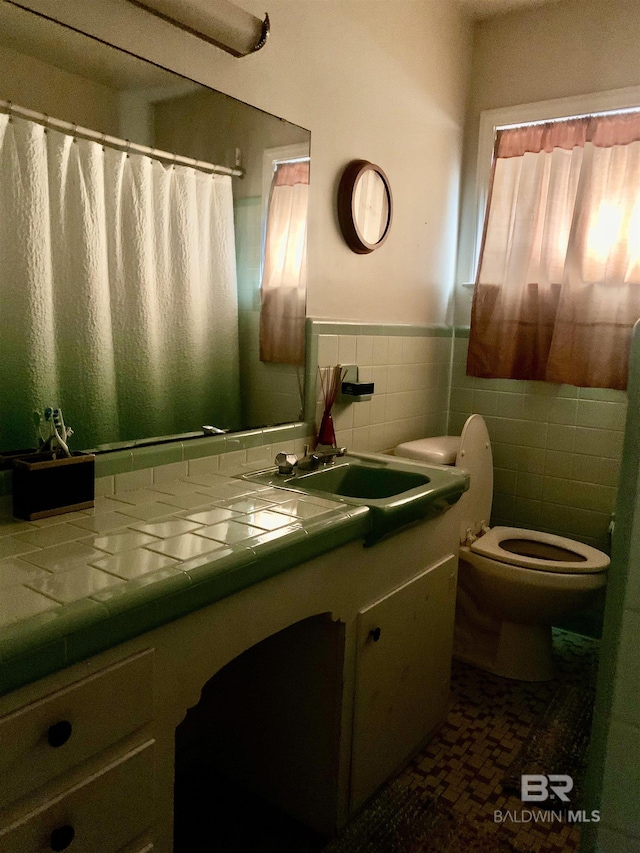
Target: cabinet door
point(402, 678)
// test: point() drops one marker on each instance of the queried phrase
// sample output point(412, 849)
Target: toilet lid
point(474, 455)
point(533, 549)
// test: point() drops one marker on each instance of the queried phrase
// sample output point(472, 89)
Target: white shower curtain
point(118, 299)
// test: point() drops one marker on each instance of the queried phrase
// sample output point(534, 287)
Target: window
point(283, 287)
point(558, 284)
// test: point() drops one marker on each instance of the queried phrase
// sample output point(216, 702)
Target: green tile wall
point(614, 759)
point(409, 366)
point(556, 449)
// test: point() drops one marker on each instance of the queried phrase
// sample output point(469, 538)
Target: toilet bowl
point(513, 583)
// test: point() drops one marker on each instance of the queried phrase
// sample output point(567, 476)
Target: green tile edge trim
point(461, 332)
point(336, 327)
point(29, 652)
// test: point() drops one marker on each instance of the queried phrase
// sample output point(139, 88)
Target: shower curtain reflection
point(118, 297)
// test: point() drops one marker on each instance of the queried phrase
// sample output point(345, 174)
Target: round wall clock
point(365, 206)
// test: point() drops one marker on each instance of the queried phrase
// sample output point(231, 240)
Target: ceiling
point(486, 8)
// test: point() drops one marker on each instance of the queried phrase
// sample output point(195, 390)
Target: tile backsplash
point(409, 366)
point(556, 449)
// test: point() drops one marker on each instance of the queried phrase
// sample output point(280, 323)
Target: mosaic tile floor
point(490, 721)
point(457, 776)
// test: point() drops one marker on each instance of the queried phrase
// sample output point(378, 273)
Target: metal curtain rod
point(113, 141)
point(557, 120)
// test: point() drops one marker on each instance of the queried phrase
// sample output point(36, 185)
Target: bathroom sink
point(396, 491)
point(357, 480)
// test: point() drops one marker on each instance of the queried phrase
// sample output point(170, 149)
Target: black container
point(44, 486)
point(7, 457)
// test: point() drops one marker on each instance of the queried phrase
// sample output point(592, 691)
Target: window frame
point(495, 119)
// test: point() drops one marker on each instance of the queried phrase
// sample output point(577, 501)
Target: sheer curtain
point(283, 290)
point(118, 296)
point(558, 286)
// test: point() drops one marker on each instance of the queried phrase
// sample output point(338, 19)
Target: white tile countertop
point(75, 584)
point(57, 560)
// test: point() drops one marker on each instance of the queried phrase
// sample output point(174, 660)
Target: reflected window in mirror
point(283, 281)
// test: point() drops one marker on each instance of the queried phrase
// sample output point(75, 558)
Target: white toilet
point(513, 584)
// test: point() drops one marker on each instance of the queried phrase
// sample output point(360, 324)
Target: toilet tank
point(471, 451)
point(438, 450)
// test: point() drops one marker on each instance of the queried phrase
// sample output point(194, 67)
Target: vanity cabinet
point(404, 644)
point(77, 765)
point(356, 647)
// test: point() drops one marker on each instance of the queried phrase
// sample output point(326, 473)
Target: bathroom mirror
point(365, 206)
point(49, 69)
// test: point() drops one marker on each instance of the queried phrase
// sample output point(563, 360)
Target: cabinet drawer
point(46, 738)
point(100, 815)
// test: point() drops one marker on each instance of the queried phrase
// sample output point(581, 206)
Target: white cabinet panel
point(402, 679)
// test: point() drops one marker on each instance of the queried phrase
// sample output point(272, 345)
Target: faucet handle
point(286, 462)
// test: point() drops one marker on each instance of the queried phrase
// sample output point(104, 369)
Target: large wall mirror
point(144, 295)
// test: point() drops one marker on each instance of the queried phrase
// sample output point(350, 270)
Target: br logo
point(537, 788)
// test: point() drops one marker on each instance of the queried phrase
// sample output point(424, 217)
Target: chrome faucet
point(286, 463)
point(328, 453)
point(324, 454)
point(310, 461)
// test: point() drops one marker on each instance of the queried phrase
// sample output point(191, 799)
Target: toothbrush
point(58, 428)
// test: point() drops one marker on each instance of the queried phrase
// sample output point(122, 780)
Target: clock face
point(364, 206)
point(371, 206)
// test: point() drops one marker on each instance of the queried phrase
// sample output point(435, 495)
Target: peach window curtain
point(558, 285)
point(283, 290)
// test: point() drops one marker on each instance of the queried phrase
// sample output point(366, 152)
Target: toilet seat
point(588, 560)
point(508, 546)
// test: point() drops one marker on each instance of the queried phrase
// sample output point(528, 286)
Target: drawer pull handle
point(62, 837)
point(59, 733)
point(375, 634)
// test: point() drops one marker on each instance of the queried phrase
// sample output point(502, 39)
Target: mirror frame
point(349, 225)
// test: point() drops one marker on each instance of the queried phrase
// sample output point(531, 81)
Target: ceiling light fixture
point(219, 22)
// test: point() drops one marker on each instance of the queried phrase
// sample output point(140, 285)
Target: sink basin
point(354, 480)
point(396, 491)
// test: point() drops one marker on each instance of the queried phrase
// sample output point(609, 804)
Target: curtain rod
point(596, 114)
point(113, 141)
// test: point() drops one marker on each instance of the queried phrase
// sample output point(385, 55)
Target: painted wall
point(381, 81)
